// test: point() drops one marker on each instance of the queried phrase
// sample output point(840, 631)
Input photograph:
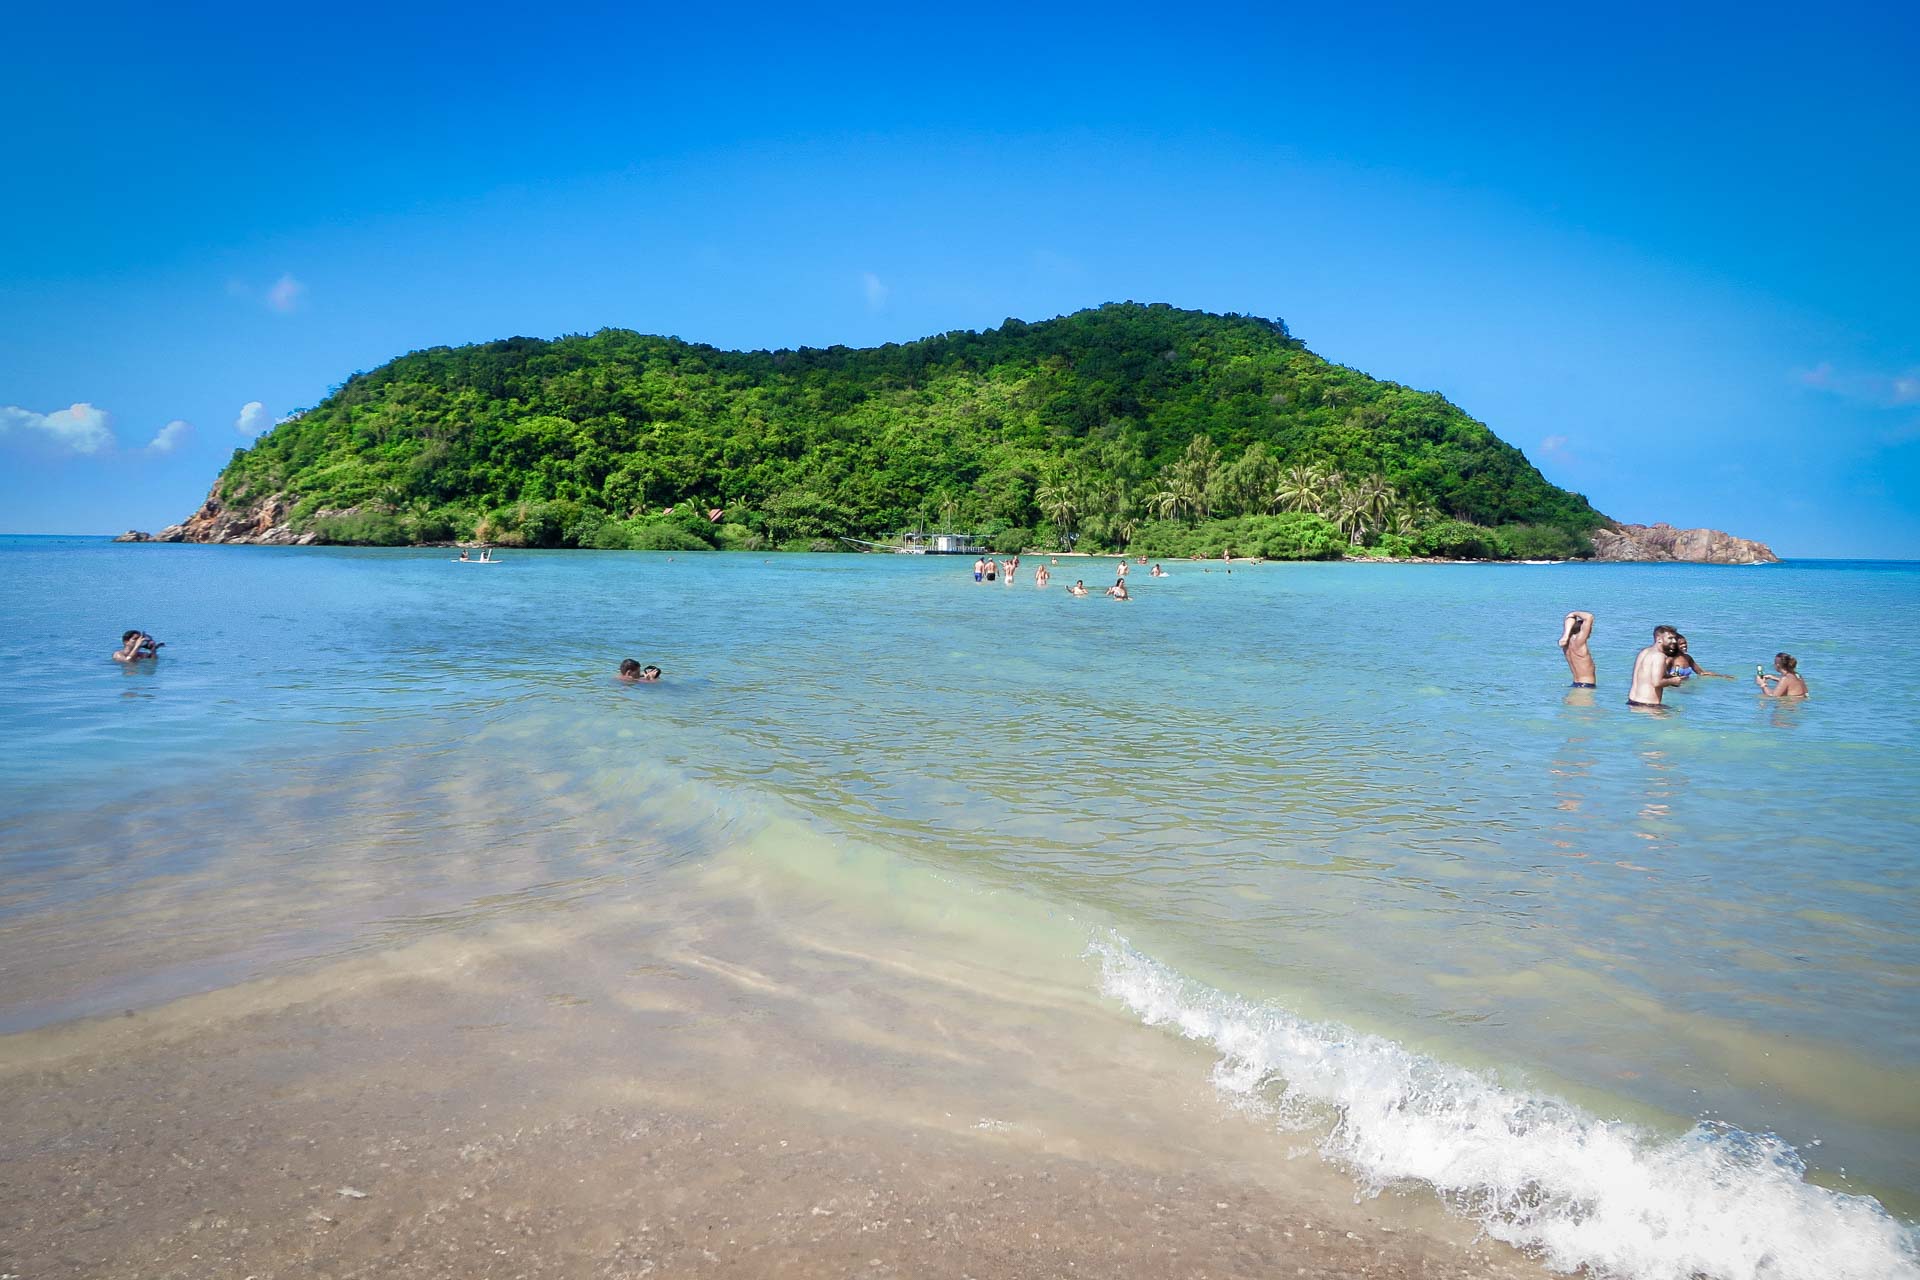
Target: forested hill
point(1123, 425)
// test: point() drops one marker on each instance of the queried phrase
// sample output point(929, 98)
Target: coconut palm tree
point(1302, 488)
point(1059, 500)
point(1349, 511)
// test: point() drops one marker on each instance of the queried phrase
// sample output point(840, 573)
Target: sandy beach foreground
point(725, 1082)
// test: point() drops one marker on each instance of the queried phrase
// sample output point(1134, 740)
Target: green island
point(1140, 427)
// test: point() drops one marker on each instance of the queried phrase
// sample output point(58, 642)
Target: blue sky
point(1671, 256)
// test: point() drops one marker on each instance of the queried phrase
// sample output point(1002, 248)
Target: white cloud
point(253, 419)
point(81, 427)
point(286, 294)
point(1554, 444)
point(170, 437)
point(1880, 390)
point(876, 290)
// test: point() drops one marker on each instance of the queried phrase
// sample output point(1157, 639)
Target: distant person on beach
point(1683, 664)
point(1650, 676)
point(1788, 683)
point(1079, 587)
point(979, 569)
point(1575, 631)
point(135, 646)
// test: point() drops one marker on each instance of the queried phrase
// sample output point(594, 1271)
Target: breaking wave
point(1538, 1173)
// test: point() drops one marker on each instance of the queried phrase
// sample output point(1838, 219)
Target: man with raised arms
point(136, 645)
point(1650, 669)
point(1574, 634)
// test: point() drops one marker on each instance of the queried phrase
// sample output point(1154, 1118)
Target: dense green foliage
point(1096, 429)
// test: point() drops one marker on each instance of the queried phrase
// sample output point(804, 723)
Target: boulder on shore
point(1663, 542)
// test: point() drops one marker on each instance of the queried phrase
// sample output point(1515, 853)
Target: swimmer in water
point(136, 646)
point(1079, 587)
point(1119, 590)
point(1788, 683)
point(979, 570)
point(1685, 666)
point(1650, 676)
point(1157, 572)
point(1041, 575)
point(1575, 631)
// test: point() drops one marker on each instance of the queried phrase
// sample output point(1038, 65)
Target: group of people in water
point(1666, 664)
point(987, 569)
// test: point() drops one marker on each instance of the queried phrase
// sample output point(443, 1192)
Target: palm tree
point(1377, 499)
point(1301, 488)
point(1059, 500)
point(1350, 511)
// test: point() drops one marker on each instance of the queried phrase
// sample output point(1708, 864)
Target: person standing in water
point(1650, 676)
point(1684, 665)
point(1788, 682)
point(1575, 631)
point(979, 568)
point(136, 646)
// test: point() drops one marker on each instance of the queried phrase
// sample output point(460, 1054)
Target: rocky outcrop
point(134, 535)
point(1664, 542)
point(263, 522)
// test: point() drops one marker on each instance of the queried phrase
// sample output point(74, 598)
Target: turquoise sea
point(1638, 991)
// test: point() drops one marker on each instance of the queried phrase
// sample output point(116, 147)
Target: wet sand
point(726, 1081)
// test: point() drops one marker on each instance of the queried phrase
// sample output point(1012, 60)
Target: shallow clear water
point(1356, 796)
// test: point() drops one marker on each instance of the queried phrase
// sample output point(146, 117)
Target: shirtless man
point(979, 569)
point(1789, 685)
point(135, 646)
point(1650, 669)
point(1079, 587)
point(1574, 634)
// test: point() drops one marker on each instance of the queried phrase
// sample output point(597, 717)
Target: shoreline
point(471, 545)
point(634, 1094)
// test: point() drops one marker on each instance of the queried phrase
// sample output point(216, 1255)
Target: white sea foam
point(1536, 1172)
